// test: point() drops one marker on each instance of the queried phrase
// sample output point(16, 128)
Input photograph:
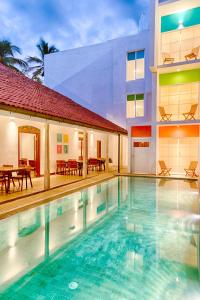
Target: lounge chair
point(167, 58)
point(191, 171)
point(191, 114)
point(164, 116)
point(164, 170)
point(193, 54)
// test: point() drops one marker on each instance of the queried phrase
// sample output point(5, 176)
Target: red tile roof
point(23, 94)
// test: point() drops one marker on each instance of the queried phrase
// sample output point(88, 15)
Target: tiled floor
point(38, 186)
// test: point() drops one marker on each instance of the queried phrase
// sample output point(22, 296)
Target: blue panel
point(140, 54)
point(131, 56)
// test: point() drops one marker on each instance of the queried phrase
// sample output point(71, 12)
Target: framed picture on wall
point(65, 149)
point(59, 149)
point(59, 137)
point(65, 138)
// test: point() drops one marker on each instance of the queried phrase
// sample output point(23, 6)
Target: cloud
point(68, 24)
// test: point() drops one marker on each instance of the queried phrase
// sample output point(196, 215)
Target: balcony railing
point(180, 45)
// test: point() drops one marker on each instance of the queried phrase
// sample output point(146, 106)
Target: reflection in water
point(147, 247)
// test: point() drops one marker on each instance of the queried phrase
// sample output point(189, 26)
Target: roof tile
point(16, 90)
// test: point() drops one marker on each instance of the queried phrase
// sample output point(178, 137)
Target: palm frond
point(13, 61)
point(34, 59)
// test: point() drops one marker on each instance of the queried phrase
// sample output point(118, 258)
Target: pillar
point(129, 151)
point(46, 159)
point(85, 153)
point(119, 155)
point(107, 152)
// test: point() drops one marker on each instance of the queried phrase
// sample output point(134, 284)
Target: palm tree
point(37, 69)
point(7, 56)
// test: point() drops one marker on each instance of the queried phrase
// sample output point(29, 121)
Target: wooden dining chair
point(164, 116)
point(191, 170)
point(191, 114)
point(6, 176)
point(193, 54)
point(164, 169)
point(72, 167)
point(167, 58)
point(60, 167)
point(2, 182)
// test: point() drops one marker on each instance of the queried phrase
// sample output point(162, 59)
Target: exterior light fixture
point(11, 116)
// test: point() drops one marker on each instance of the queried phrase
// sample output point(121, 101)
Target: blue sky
point(68, 23)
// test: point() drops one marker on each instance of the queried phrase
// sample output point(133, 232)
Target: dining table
point(8, 171)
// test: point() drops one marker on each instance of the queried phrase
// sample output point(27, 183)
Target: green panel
point(185, 18)
point(130, 97)
point(180, 77)
point(140, 97)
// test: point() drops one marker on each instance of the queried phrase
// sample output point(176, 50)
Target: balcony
point(179, 102)
point(180, 45)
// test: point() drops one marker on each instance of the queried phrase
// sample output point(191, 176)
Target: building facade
point(149, 82)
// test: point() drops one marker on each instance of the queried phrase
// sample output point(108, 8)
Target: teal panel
point(187, 18)
point(140, 54)
point(131, 56)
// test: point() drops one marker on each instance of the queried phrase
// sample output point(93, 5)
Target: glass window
point(135, 106)
point(135, 65)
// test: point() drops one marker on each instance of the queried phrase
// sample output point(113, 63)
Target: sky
point(68, 23)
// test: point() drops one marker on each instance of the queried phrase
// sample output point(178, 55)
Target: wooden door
point(98, 149)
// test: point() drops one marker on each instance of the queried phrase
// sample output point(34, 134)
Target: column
point(107, 152)
point(129, 151)
point(121, 151)
point(119, 155)
point(85, 153)
point(46, 159)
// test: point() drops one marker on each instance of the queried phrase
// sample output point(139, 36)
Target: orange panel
point(141, 131)
point(179, 131)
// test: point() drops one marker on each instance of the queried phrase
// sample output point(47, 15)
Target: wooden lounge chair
point(193, 54)
point(191, 114)
point(164, 170)
point(164, 116)
point(167, 58)
point(191, 171)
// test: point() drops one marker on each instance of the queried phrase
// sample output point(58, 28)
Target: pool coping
point(158, 176)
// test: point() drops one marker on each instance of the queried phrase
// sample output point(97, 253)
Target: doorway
point(29, 146)
point(98, 149)
point(141, 156)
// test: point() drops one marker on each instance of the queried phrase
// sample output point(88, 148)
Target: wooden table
point(7, 172)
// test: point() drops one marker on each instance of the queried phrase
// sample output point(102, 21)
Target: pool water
point(126, 238)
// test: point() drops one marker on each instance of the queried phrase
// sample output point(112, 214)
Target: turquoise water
point(127, 238)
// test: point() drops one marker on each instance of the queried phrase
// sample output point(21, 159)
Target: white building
point(149, 82)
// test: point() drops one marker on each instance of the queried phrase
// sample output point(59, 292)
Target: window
point(135, 65)
point(135, 106)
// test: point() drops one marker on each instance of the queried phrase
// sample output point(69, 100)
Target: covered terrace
point(48, 140)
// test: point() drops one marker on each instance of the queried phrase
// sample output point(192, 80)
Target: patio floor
point(38, 186)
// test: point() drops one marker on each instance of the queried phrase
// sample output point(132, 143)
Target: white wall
point(95, 76)
point(9, 140)
point(93, 137)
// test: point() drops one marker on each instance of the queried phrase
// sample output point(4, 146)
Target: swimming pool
point(126, 238)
